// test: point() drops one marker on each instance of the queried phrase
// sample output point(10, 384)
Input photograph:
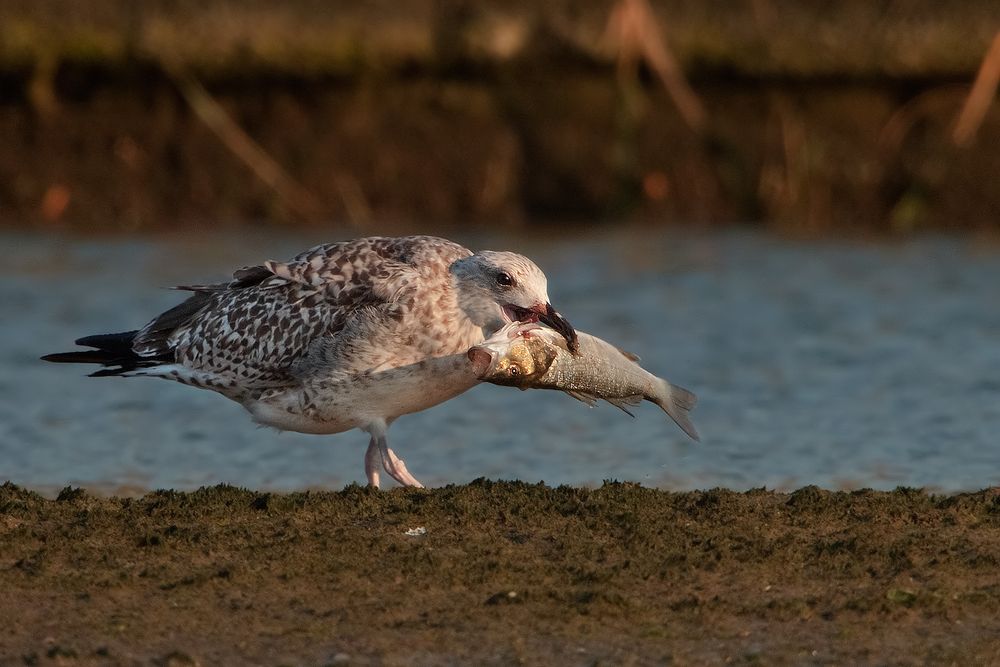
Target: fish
point(532, 356)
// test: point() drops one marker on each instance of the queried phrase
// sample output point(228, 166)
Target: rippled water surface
point(838, 364)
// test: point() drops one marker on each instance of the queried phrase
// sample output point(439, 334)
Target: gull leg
point(395, 465)
point(400, 466)
point(373, 457)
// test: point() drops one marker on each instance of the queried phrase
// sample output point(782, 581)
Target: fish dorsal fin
point(584, 397)
point(631, 356)
point(621, 402)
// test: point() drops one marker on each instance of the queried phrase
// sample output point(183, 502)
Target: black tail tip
point(88, 357)
point(120, 342)
point(113, 349)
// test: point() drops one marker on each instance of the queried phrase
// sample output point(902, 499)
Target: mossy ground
point(507, 572)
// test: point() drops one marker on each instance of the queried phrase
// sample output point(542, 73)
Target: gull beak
point(548, 315)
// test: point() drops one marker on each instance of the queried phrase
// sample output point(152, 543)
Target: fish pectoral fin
point(584, 397)
point(631, 356)
point(621, 402)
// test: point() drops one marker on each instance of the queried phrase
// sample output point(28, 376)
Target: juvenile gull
point(344, 335)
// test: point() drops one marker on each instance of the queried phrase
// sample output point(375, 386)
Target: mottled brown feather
point(260, 329)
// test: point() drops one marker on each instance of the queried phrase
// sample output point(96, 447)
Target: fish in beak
point(547, 315)
point(553, 319)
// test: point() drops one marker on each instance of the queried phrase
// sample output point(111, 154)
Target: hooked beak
point(548, 315)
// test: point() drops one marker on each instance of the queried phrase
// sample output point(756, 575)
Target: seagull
point(344, 335)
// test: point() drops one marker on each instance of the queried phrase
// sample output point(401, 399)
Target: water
point(840, 364)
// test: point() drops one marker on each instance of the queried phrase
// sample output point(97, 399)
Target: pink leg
point(372, 460)
point(395, 466)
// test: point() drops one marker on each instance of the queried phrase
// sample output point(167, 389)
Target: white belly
point(346, 402)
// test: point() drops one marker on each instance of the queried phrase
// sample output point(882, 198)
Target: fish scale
point(530, 356)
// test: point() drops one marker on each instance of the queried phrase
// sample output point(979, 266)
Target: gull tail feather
point(113, 351)
point(678, 402)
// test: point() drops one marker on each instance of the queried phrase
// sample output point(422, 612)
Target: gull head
point(497, 288)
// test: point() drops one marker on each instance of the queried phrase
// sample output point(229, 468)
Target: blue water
point(842, 364)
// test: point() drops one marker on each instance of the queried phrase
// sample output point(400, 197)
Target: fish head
point(497, 288)
point(513, 361)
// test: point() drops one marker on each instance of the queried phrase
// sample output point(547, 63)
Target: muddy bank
point(506, 572)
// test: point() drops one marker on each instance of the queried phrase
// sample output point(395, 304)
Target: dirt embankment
point(506, 572)
point(469, 113)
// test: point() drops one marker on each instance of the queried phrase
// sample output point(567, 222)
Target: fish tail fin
point(677, 402)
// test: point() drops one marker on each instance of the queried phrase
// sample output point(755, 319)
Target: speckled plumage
point(272, 324)
point(344, 335)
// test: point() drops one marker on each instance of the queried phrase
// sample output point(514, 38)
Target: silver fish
point(530, 356)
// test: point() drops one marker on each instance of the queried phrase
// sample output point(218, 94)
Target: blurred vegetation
point(804, 116)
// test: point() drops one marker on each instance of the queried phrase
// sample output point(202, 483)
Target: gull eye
point(504, 279)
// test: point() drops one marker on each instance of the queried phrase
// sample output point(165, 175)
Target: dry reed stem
point(634, 29)
point(930, 103)
point(296, 197)
point(980, 97)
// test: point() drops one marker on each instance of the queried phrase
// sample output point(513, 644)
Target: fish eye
point(504, 279)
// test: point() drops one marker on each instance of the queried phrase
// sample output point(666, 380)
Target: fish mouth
point(548, 316)
point(481, 359)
